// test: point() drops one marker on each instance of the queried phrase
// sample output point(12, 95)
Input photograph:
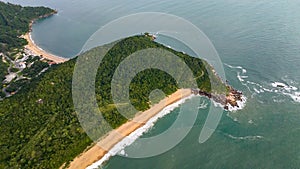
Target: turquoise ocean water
point(259, 44)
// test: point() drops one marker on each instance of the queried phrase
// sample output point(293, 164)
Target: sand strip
point(97, 151)
point(36, 50)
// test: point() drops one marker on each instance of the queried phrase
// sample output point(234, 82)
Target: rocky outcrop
point(230, 99)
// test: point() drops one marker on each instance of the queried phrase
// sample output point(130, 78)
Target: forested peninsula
point(38, 124)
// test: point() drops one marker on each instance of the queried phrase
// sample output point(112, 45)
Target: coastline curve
point(148, 22)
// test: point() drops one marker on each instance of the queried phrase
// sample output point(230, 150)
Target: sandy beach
point(36, 50)
point(97, 151)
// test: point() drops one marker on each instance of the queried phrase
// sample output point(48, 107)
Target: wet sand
point(97, 151)
point(36, 50)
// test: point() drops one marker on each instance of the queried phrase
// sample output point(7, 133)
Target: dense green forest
point(14, 22)
point(145, 81)
point(39, 127)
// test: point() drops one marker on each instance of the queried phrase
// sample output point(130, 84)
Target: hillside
point(14, 20)
point(39, 126)
point(18, 67)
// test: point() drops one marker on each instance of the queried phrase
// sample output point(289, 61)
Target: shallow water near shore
point(259, 43)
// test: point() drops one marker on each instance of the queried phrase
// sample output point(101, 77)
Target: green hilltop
point(38, 125)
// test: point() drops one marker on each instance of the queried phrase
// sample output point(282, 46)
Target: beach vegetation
point(39, 127)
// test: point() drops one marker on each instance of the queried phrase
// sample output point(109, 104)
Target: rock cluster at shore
point(231, 99)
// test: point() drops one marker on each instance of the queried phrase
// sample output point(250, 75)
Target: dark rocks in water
point(233, 97)
point(233, 103)
point(280, 86)
point(205, 94)
point(230, 99)
point(219, 99)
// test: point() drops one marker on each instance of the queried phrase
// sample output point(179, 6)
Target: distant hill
point(14, 22)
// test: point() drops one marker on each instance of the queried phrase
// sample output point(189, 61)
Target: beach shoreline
point(97, 151)
point(32, 49)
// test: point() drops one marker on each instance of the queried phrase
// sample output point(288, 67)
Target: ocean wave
point(203, 105)
point(258, 90)
point(284, 86)
point(257, 137)
point(236, 67)
point(295, 96)
point(251, 121)
point(216, 104)
point(287, 87)
point(128, 140)
point(240, 77)
point(240, 74)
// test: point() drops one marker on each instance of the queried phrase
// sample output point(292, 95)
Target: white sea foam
point(284, 86)
point(119, 147)
point(244, 138)
point(233, 67)
point(239, 77)
point(241, 74)
point(294, 88)
point(203, 105)
point(237, 67)
point(295, 96)
point(250, 121)
point(287, 90)
point(268, 90)
point(216, 104)
point(278, 88)
point(256, 90)
point(277, 84)
point(241, 104)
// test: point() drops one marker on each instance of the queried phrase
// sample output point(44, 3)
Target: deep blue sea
point(258, 42)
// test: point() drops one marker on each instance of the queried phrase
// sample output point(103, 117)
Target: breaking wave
point(257, 137)
point(241, 104)
point(284, 87)
point(119, 147)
